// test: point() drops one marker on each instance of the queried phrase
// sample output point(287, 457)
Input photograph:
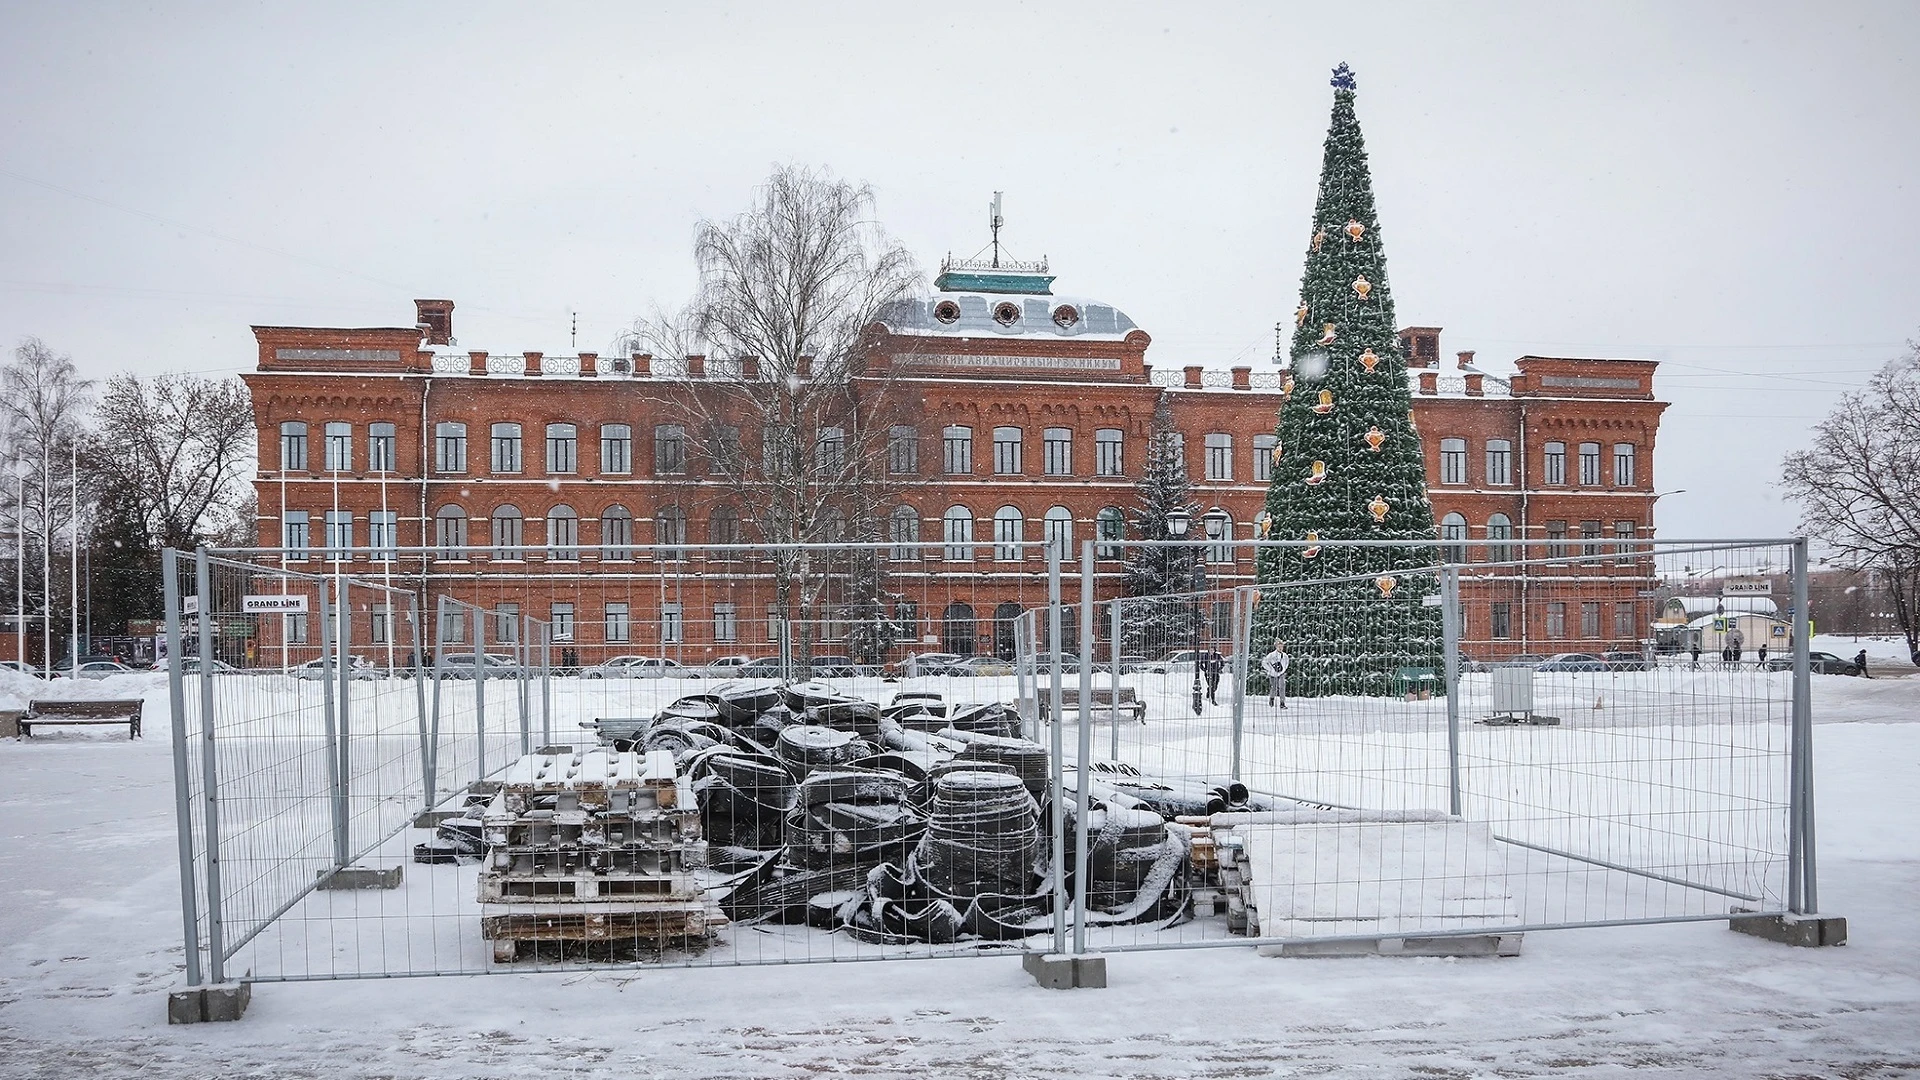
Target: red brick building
point(561, 488)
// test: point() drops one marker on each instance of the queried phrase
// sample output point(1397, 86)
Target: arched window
point(956, 628)
point(1008, 524)
point(723, 528)
point(450, 532)
point(1005, 625)
point(1499, 529)
point(903, 531)
point(1453, 530)
point(670, 533)
point(1059, 532)
point(956, 530)
point(507, 535)
point(616, 533)
point(563, 533)
point(1111, 528)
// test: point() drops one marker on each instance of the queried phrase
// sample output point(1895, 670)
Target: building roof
point(983, 314)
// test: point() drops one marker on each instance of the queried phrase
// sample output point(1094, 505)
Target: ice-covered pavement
point(89, 890)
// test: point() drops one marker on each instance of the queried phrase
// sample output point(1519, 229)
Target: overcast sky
point(1727, 188)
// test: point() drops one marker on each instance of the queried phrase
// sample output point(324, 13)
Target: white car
point(639, 667)
point(96, 669)
point(317, 669)
point(727, 667)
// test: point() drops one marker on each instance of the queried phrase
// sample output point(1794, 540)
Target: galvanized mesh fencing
point(851, 752)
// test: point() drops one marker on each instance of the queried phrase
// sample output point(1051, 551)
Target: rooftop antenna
point(573, 335)
point(997, 222)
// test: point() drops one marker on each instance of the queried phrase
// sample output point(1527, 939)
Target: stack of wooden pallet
point(598, 845)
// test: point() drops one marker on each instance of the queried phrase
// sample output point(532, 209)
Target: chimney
point(642, 365)
point(804, 367)
point(1429, 382)
point(1146, 373)
point(750, 369)
point(477, 363)
point(696, 366)
point(589, 365)
point(1475, 381)
point(1193, 376)
point(1420, 346)
point(533, 364)
point(435, 320)
point(1465, 358)
point(1243, 378)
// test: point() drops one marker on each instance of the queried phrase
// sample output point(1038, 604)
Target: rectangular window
point(1623, 464)
point(1453, 461)
point(293, 447)
point(906, 616)
point(1590, 535)
point(723, 453)
point(669, 450)
point(616, 448)
point(380, 447)
point(1624, 623)
point(1556, 620)
point(726, 624)
point(957, 443)
point(339, 534)
point(382, 628)
point(1263, 456)
point(903, 451)
point(506, 624)
point(1499, 462)
point(1219, 456)
point(296, 628)
point(1624, 530)
point(339, 448)
point(619, 629)
point(561, 621)
point(1502, 619)
point(506, 448)
point(1109, 445)
point(1556, 539)
point(1006, 451)
point(1590, 619)
point(1058, 445)
point(563, 448)
point(293, 533)
point(672, 629)
point(1590, 464)
point(776, 626)
point(450, 447)
point(1554, 470)
point(453, 625)
point(383, 534)
point(830, 451)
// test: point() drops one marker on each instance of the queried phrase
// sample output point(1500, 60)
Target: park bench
point(81, 713)
point(1106, 699)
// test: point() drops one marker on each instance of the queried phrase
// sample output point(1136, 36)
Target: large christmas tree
point(1349, 465)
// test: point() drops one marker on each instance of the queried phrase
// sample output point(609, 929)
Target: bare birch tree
point(43, 402)
point(1858, 485)
point(180, 449)
point(791, 426)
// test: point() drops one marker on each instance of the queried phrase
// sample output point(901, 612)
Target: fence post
point(182, 795)
point(546, 684)
point(1450, 643)
point(1085, 782)
point(420, 701)
point(1242, 638)
point(209, 770)
point(480, 688)
point(1113, 741)
point(439, 681)
point(336, 797)
point(522, 688)
point(1057, 807)
point(1803, 890)
point(343, 667)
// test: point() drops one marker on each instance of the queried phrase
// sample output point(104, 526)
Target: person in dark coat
point(1860, 662)
point(1211, 665)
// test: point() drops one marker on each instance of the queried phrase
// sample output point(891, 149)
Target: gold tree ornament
point(1286, 387)
point(1300, 314)
point(1375, 437)
point(1319, 238)
point(1385, 583)
point(1327, 335)
point(1354, 231)
point(1325, 404)
point(1318, 475)
point(1313, 547)
point(1378, 508)
point(1362, 286)
point(1369, 360)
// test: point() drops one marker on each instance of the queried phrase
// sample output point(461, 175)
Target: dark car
point(1627, 661)
point(1522, 660)
point(1573, 661)
point(834, 667)
point(1820, 663)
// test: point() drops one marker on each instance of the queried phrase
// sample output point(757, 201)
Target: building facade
point(570, 489)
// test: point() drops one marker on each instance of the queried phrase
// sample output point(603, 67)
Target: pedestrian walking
point(1860, 662)
point(1736, 645)
point(1211, 665)
point(1695, 650)
point(1763, 654)
point(1275, 665)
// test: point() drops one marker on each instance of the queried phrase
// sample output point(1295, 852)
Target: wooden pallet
point(656, 925)
point(498, 888)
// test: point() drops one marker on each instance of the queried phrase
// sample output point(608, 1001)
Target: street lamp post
point(1178, 522)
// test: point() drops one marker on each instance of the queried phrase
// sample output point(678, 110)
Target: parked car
point(1627, 661)
point(191, 665)
point(1820, 663)
point(459, 665)
point(95, 669)
point(726, 667)
point(765, 667)
point(20, 666)
point(983, 666)
point(317, 669)
point(1531, 660)
point(834, 667)
point(1132, 662)
point(936, 663)
point(1573, 661)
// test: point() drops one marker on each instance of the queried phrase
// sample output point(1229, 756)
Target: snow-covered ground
point(88, 880)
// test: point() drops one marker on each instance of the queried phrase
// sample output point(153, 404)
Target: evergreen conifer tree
point(1349, 464)
point(1152, 627)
